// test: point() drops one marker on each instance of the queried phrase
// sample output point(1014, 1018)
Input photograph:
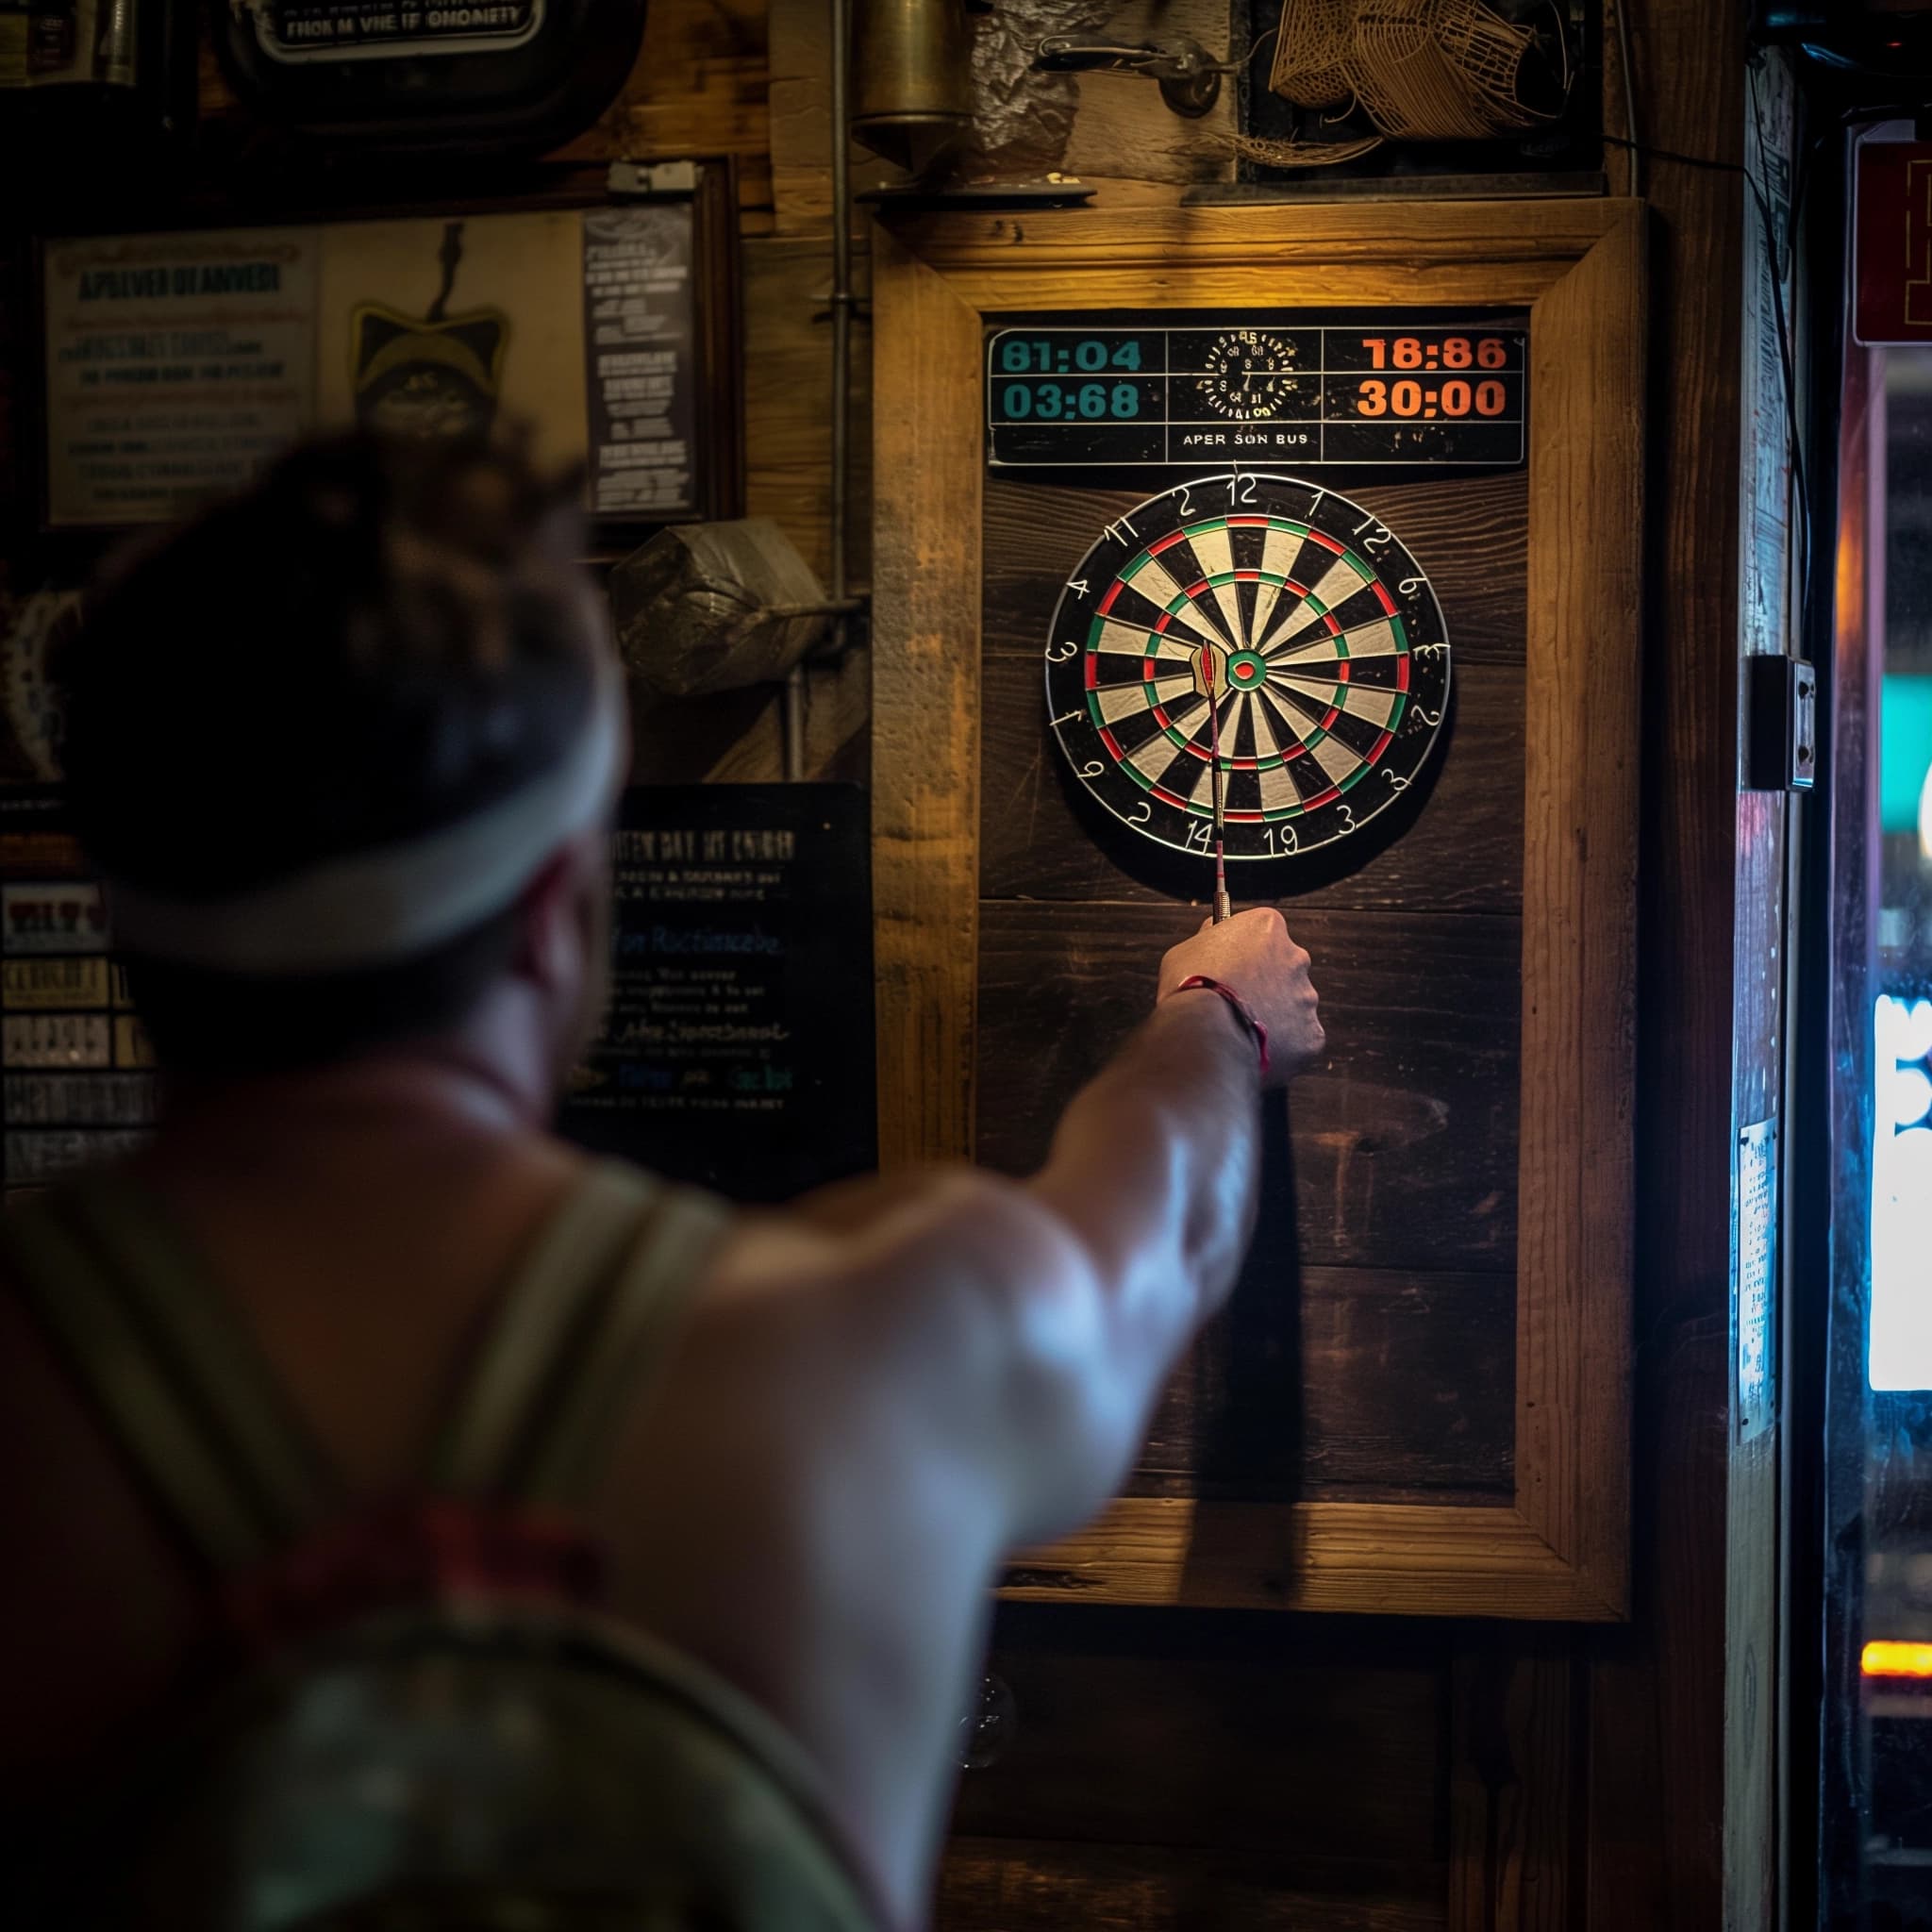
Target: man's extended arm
point(884, 1391)
point(1149, 1197)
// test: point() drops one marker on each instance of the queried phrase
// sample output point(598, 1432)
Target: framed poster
point(176, 367)
point(178, 364)
point(77, 1075)
point(1397, 664)
point(736, 1047)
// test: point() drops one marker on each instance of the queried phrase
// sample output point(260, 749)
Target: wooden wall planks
point(1516, 1739)
point(1405, 1138)
point(1654, 1793)
point(1188, 1771)
point(1582, 800)
point(788, 396)
point(1343, 1385)
point(927, 698)
point(1128, 1716)
point(1017, 1885)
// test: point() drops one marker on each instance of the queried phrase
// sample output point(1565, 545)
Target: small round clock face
point(1252, 375)
point(1271, 615)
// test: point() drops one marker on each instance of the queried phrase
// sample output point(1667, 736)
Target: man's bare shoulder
point(950, 1304)
point(918, 1229)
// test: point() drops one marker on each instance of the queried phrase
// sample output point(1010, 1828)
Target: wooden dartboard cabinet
point(1417, 1401)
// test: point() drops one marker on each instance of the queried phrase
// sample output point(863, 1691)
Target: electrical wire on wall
point(1632, 127)
point(1780, 267)
point(1778, 262)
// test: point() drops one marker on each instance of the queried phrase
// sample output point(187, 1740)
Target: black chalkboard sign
point(1379, 392)
point(77, 1074)
point(737, 1052)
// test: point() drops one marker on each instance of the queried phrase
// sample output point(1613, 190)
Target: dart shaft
point(1222, 906)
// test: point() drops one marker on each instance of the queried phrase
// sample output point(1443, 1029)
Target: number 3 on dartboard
point(1304, 619)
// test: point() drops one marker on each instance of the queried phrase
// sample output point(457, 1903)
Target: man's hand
point(1254, 958)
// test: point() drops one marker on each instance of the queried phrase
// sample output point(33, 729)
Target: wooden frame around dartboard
point(1559, 1547)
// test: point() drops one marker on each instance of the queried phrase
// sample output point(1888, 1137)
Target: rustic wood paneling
point(698, 88)
point(1331, 253)
point(1343, 1384)
point(1007, 1885)
point(1408, 1559)
point(1655, 1796)
point(1579, 855)
point(1515, 1745)
point(788, 400)
point(1404, 1137)
point(925, 694)
point(1287, 1737)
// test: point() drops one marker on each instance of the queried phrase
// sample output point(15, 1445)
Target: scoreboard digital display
point(1404, 390)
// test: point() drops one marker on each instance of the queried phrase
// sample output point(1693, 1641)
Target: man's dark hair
point(376, 641)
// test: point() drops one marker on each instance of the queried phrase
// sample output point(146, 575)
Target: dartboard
point(1264, 618)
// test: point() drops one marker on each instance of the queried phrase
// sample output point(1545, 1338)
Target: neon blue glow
point(1901, 1341)
point(1905, 750)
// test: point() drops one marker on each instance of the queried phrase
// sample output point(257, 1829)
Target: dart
point(1210, 689)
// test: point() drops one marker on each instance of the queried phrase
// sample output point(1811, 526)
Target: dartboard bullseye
point(1315, 632)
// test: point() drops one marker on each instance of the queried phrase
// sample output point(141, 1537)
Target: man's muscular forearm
point(1153, 1173)
point(1154, 1169)
point(1039, 1320)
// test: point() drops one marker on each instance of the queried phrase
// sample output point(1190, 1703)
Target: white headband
point(372, 908)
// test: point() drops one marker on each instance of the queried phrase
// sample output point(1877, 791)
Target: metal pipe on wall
point(838, 500)
point(914, 80)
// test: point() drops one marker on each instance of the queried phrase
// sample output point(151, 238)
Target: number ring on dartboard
point(1316, 632)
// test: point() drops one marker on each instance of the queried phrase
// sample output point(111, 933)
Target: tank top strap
point(577, 1333)
point(178, 1384)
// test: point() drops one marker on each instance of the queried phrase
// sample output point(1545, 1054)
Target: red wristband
point(1239, 1005)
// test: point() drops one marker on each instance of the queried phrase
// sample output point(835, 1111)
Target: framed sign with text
point(736, 1047)
point(428, 73)
point(178, 364)
point(77, 1073)
point(1892, 242)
